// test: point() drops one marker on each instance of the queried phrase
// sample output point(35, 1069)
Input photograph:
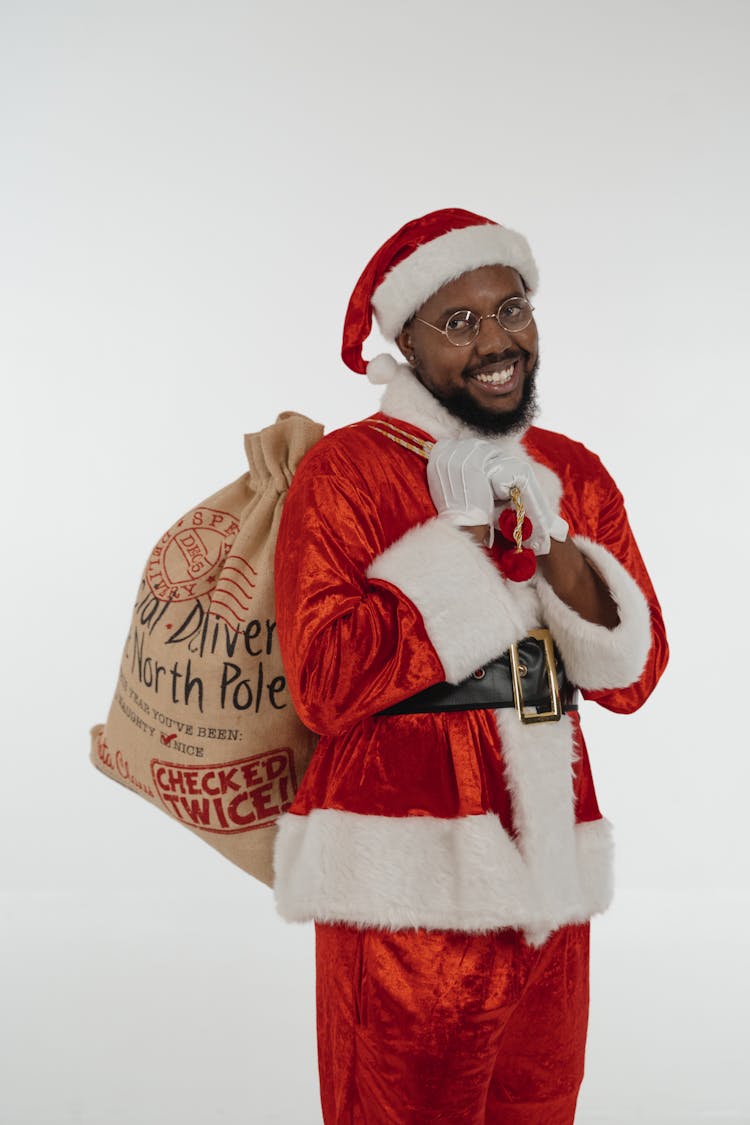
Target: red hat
point(412, 265)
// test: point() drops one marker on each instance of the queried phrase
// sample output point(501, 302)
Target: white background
point(188, 193)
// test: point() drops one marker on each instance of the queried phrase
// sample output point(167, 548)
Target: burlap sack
point(202, 724)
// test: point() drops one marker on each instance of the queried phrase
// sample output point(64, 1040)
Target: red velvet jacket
point(464, 820)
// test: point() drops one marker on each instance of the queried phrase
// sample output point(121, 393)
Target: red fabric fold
point(352, 647)
point(423, 1026)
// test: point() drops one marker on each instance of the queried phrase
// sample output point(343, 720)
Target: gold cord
point(422, 448)
point(404, 439)
point(517, 502)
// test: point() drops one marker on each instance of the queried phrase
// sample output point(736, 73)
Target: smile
point(500, 379)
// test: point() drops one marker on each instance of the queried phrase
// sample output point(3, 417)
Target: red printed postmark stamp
point(187, 560)
point(229, 797)
point(233, 593)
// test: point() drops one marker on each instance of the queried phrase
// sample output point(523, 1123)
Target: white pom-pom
point(382, 369)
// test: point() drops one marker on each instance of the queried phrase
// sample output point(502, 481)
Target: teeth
point(497, 378)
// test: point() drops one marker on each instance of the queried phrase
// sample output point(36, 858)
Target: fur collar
point(407, 399)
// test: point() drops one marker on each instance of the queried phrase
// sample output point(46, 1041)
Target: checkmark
point(167, 738)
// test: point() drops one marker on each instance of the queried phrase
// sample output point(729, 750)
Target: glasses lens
point(461, 327)
point(515, 314)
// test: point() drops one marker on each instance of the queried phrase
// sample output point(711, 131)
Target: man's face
point(472, 381)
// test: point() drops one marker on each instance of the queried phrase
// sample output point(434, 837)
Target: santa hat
point(412, 265)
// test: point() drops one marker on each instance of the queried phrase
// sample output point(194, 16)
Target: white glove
point(512, 472)
point(458, 479)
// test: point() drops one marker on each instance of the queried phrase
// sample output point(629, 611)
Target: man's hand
point(512, 472)
point(458, 479)
point(577, 583)
point(468, 477)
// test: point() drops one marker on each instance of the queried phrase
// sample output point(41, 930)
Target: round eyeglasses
point(462, 327)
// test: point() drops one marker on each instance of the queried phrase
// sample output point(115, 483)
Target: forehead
point(482, 289)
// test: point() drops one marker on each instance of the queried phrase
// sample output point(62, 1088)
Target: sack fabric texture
point(202, 724)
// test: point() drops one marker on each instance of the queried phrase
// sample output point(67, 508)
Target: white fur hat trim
point(409, 284)
point(382, 369)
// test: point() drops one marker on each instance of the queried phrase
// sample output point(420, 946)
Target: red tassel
point(507, 525)
point(518, 566)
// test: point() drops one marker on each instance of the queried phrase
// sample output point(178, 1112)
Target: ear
point(405, 344)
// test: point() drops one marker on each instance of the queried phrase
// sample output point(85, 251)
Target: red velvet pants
point(422, 1026)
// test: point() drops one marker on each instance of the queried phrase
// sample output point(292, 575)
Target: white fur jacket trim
point(461, 873)
point(469, 611)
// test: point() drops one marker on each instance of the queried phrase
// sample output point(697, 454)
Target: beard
point(462, 405)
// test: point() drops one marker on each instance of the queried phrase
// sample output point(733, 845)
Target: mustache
point(496, 360)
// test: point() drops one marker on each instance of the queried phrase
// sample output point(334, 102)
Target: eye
point(462, 321)
point(514, 309)
point(514, 314)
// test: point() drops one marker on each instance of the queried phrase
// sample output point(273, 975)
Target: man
point(446, 837)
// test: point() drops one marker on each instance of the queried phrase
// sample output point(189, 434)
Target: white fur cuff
point(469, 612)
point(597, 658)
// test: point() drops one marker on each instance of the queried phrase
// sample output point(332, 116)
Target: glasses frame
point(487, 316)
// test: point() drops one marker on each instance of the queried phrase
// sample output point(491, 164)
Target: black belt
point(530, 676)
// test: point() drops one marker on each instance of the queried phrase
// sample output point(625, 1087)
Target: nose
point(492, 337)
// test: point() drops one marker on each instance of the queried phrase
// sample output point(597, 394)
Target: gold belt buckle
point(525, 715)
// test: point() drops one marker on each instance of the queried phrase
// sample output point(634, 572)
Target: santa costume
point(451, 859)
